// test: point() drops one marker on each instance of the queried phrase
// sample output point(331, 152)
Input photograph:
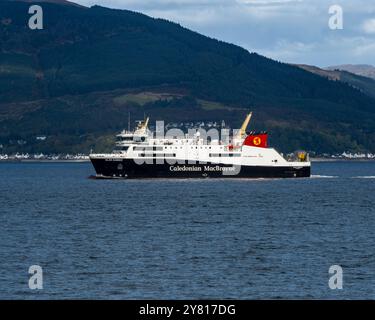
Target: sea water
point(186, 239)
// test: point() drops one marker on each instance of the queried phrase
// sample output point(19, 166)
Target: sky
point(293, 31)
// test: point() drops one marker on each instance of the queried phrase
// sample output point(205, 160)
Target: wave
point(364, 177)
point(323, 177)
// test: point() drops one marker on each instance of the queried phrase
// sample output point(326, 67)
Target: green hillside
point(76, 81)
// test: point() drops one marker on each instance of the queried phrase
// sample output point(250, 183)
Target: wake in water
point(334, 177)
point(364, 177)
point(323, 177)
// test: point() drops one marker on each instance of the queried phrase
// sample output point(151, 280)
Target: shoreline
point(340, 160)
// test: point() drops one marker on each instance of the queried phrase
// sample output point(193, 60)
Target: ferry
point(144, 154)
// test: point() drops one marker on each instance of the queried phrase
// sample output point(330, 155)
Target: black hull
point(129, 169)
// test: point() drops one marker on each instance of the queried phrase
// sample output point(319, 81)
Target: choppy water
point(186, 239)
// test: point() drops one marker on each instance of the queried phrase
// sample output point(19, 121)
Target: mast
point(129, 121)
point(145, 125)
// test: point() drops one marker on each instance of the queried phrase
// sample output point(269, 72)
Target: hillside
point(75, 81)
point(364, 84)
point(363, 70)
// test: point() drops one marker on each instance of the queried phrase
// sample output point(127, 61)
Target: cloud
point(369, 26)
point(287, 51)
point(267, 2)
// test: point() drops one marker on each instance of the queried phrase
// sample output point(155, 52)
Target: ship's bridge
point(140, 135)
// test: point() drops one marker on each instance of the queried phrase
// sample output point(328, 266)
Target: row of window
point(148, 148)
point(225, 155)
point(157, 155)
point(169, 155)
point(145, 148)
